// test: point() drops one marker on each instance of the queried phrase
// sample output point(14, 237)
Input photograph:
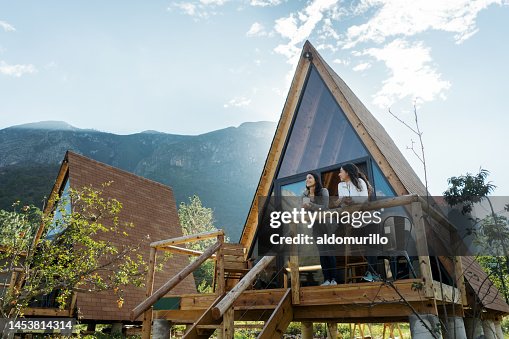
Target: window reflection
point(321, 135)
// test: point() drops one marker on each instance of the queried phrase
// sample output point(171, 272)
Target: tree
point(70, 255)
point(195, 218)
point(492, 231)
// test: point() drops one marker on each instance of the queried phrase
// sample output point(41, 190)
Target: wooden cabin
point(322, 126)
point(149, 205)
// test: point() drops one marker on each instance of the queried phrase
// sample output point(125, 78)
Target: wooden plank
point(295, 279)
point(460, 279)
point(239, 266)
point(235, 258)
point(220, 266)
point(187, 238)
point(361, 313)
point(250, 298)
point(451, 294)
point(197, 302)
point(244, 283)
point(46, 312)
point(182, 250)
point(179, 316)
point(276, 326)
point(361, 293)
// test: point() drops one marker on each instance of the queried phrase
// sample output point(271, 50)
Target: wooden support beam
point(149, 288)
point(460, 279)
point(182, 250)
point(220, 278)
point(422, 249)
point(228, 326)
point(147, 303)
point(187, 238)
point(295, 279)
point(276, 326)
point(244, 283)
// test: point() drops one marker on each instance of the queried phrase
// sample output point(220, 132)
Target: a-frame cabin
point(324, 125)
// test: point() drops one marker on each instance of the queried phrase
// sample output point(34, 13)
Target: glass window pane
point(382, 187)
point(321, 135)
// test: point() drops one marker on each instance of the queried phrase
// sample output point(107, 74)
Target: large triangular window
point(321, 136)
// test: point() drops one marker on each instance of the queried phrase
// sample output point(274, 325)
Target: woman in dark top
point(316, 198)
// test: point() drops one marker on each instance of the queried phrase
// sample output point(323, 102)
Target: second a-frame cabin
point(323, 126)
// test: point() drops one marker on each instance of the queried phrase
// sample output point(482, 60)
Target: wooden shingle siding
point(151, 207)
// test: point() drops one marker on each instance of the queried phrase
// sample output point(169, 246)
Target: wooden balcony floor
point(373, 301)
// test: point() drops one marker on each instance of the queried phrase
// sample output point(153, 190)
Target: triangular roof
point(393, 165)
point(390, 160)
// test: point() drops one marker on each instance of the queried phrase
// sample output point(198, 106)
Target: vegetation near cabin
point(53, 256)
point(196, 218)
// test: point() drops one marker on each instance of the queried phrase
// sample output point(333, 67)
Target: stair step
point(208, 327)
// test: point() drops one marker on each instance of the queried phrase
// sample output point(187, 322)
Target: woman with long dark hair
point(316, 198)
point(354, 187)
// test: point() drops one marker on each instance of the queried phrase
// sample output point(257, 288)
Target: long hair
point(355, 174)
point(318, 184)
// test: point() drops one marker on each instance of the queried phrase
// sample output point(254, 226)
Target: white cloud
point(265, 3)
point(199, 10)
point(297, 27)
point(214, 2)
point(341, 62)
point(237, 102)
point(16, 70)
point(256, 29)
point(362, 67)
point(6, 26)
point(408, 18)
point(411, 73)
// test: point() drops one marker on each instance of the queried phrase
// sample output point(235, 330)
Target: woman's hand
point(347, 200)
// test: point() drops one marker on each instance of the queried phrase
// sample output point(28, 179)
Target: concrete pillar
point(161, 329)
point(474, 329)
point(307, 330)
point(419, 330)
point(488, 327)
point(498, 329)
point(455, 328)
point(116, 328)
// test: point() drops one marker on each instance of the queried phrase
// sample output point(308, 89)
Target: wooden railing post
point(147, 316)
point(294, 270)
point(228, 326)
point(422, 249)
point(220, 278)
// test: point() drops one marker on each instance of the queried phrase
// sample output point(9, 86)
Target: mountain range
point(222, 167)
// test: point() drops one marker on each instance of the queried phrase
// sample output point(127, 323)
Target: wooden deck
point(373, 301)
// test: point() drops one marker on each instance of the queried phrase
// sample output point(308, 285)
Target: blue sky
point(192, 67)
